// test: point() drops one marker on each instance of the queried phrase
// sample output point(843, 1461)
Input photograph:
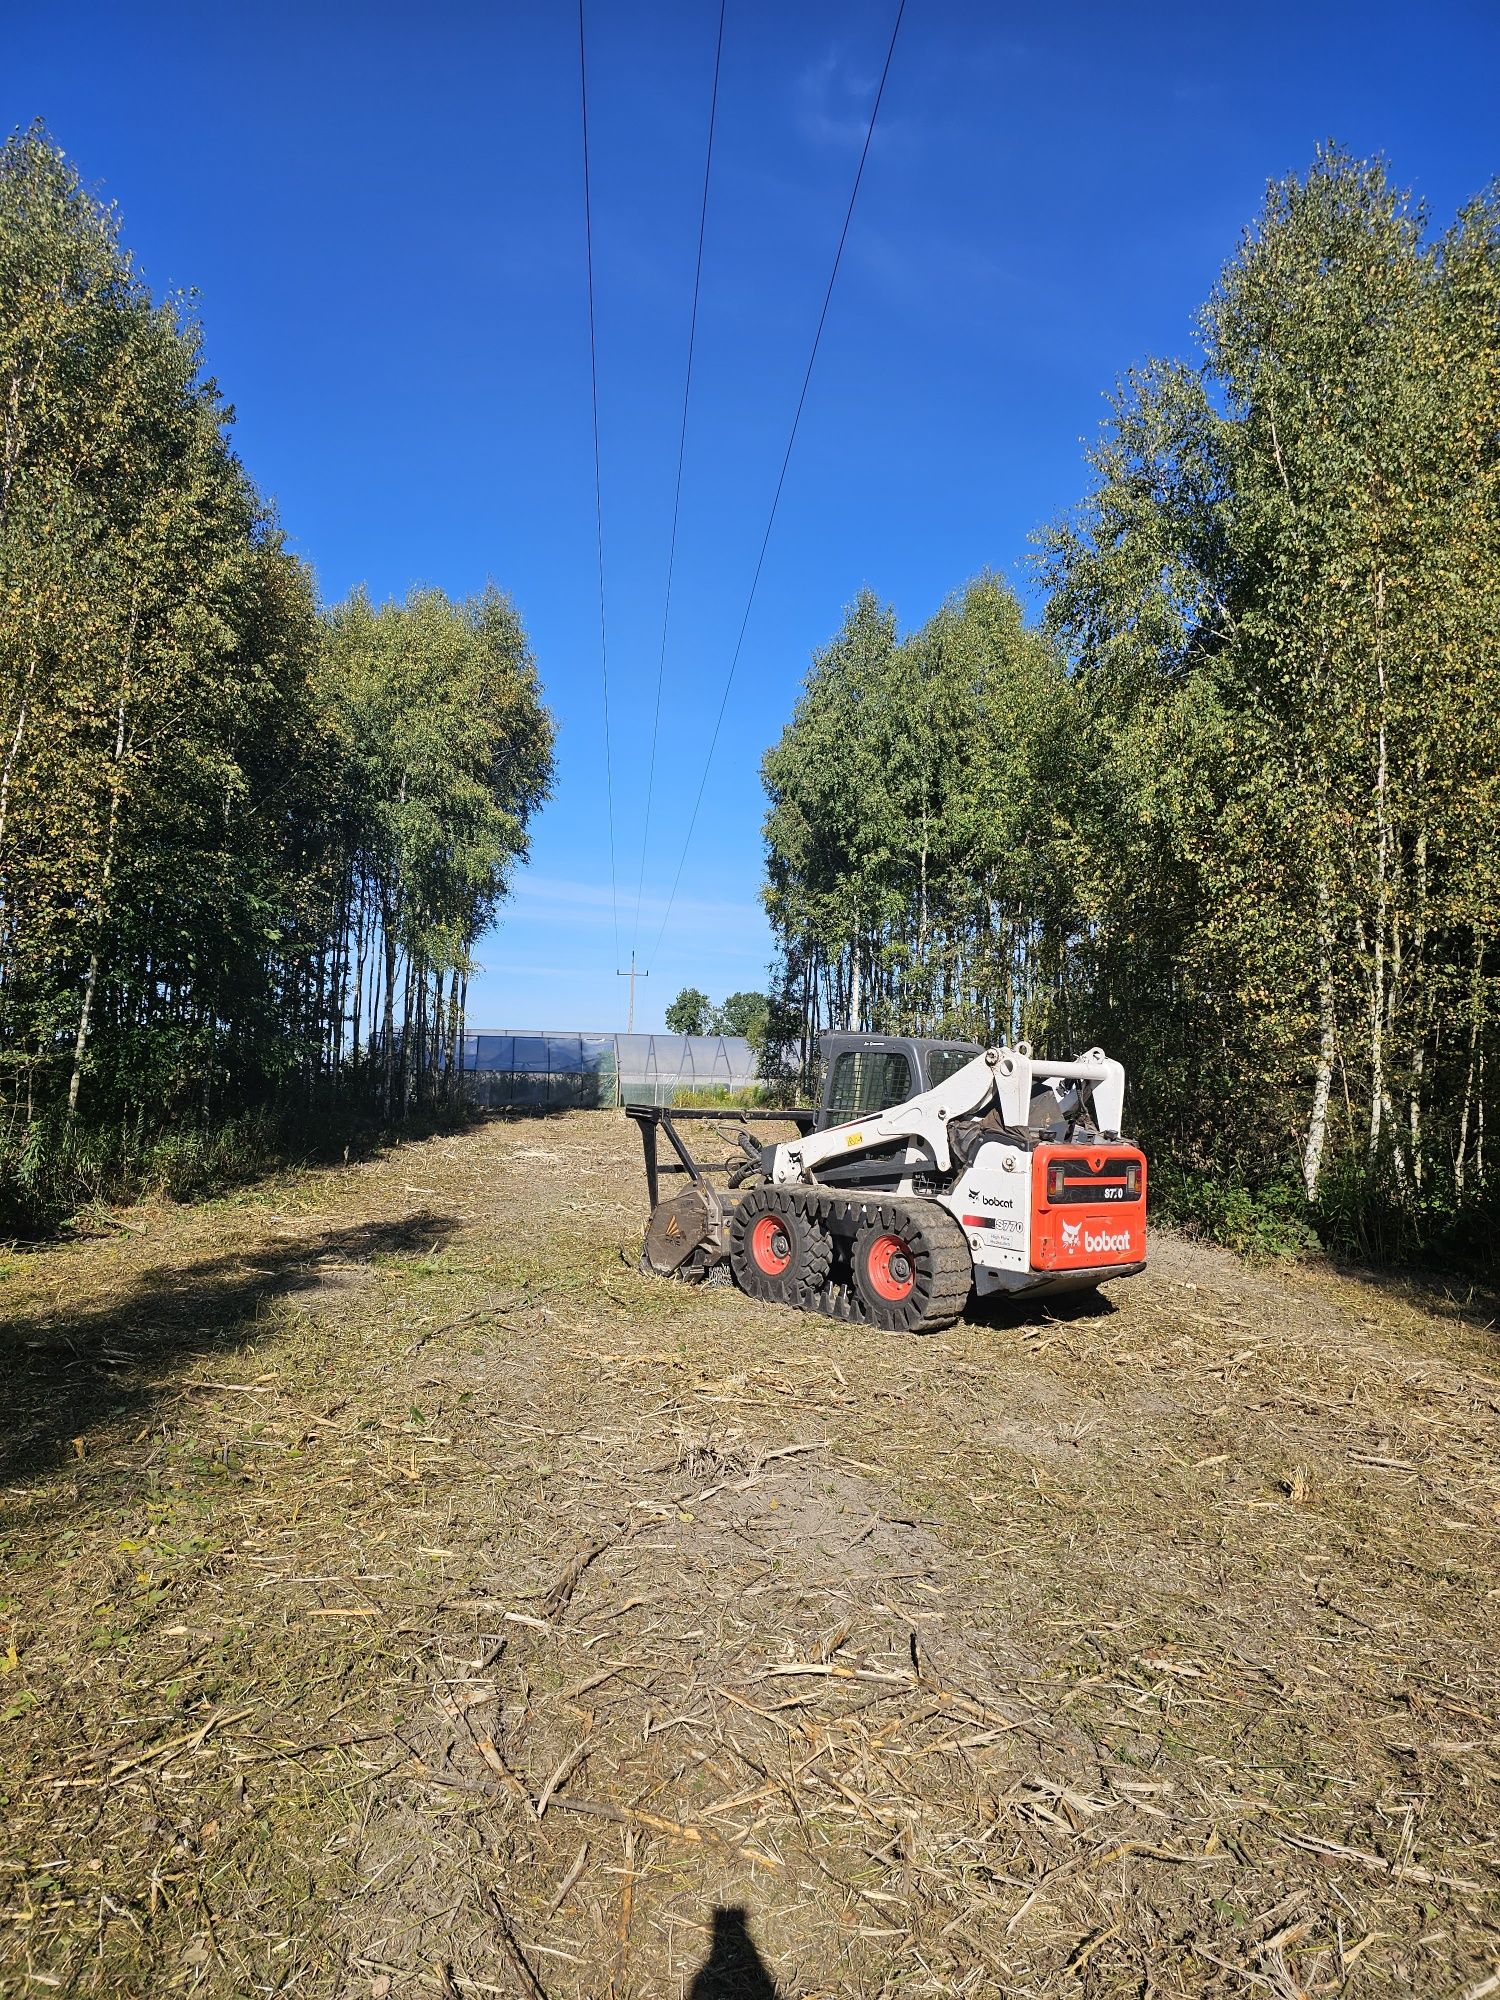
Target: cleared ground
point(403, 1596)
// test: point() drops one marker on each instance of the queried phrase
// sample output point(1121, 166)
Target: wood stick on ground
point(563, 1772)
point(560, 1896)
point(513, 1952)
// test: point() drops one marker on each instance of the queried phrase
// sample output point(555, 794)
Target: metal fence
point(547, 1071)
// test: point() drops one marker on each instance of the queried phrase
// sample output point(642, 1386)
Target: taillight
point(1057, 1180)
point(1133, 1178)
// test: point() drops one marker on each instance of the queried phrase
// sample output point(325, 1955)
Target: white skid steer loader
point(998, 1172)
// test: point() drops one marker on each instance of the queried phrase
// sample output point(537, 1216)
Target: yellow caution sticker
point(854, 1139)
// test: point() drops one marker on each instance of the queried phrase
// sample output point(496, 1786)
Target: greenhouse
point(551, 1071)
point(655, 1069)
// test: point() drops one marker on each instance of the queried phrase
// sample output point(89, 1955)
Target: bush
point(719, 1096)
point(59, 1166)
point(55, 1168)
point(1357, 1215)
point(1270, 1221)
point(1353, 1216)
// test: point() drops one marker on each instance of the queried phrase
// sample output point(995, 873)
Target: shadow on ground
point(67, 1371)
point(1024, 1309)
point(734, 1969)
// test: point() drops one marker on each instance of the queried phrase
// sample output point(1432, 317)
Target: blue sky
point(379, 208)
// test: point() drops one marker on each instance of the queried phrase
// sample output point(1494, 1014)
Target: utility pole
point(632, 976)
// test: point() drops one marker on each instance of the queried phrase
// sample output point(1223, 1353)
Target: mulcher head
point(684, 1238)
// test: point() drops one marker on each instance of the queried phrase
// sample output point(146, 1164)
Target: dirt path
point(400, 1595)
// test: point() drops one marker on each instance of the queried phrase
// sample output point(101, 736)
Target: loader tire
point(911, 1268)
point(779, 1248)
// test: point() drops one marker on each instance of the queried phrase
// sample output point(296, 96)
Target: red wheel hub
point(770, 1246)
point(892, 1269)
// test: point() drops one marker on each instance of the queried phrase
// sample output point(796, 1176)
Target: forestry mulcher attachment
point(930, 1170)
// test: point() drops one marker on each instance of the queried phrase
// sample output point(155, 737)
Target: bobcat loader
point(998, 1172)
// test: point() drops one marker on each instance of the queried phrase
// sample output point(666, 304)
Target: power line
point(781, 480)
point(588, 227)
point(687, 390)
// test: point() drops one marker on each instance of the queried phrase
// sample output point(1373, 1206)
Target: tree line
point(246, 845)
point(1231, 807)
point(693, 1013)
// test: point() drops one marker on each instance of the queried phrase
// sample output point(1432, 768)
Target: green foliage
point(742, 1014)
point(693, 1013)
point(1283, 604)
point(1232, 812)
point(688, 1013)
point(153, 661)
point(709, 1096)
point(67, 1163)
point(922, 800)
point(207, 794)
point(1271, 1221)
point(439, 753)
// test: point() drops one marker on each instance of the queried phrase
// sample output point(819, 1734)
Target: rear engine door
point(1088, 1206)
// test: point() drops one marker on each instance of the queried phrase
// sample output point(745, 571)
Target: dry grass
point(403, 1596)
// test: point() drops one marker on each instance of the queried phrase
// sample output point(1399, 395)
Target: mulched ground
point(401, 1595)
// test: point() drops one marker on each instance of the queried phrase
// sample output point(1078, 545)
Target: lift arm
point(1003, 1077)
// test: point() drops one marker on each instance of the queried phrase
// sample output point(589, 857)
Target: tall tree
point(743, 1014)
point(911, 878)
point(1282, 600)
point(445, 752)
point(688, 1013)
point(1232, 812)
point(245, 854)
point(154, 640)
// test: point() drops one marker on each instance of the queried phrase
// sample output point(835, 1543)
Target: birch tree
point(246, 852)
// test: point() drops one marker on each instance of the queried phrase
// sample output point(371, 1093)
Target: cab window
point(867, 1080)
point(941, 1063)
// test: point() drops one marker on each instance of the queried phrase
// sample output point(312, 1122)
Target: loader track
point(830, 1237)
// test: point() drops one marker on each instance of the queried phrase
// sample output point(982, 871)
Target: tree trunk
point(455, 1039)
point(406, 1039)
point(388, 1025)
point(101, 896)
point(1377, 977)
point(1471, 1074)
point(14, 751)
point(1317, 1128)
point(359, 915)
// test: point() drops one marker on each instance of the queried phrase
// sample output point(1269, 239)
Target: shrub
point(1269, 1221)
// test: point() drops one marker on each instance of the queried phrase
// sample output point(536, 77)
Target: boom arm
point(1002, 1076)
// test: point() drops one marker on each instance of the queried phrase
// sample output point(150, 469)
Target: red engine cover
point(1088, 1207)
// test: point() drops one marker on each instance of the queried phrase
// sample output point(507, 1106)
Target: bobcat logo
point(1070, 1233)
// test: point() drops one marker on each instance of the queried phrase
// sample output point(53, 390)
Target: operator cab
point(864, 1074)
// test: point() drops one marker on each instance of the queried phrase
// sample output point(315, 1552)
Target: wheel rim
point(892, 1269)
point(770, 1246)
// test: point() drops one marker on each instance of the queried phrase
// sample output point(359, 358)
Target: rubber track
point(842, 1215)
point(795, 1288)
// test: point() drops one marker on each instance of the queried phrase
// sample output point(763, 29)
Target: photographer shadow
point(734, 1969)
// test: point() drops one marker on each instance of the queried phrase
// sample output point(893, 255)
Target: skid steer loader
point(929, 1171)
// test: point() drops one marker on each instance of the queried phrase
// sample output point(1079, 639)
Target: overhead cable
point(781, 479)
point(687, 390)
point(588, 225)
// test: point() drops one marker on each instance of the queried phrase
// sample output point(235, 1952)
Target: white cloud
point(832, 100)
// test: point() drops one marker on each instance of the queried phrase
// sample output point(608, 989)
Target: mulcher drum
point(683, 1235)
